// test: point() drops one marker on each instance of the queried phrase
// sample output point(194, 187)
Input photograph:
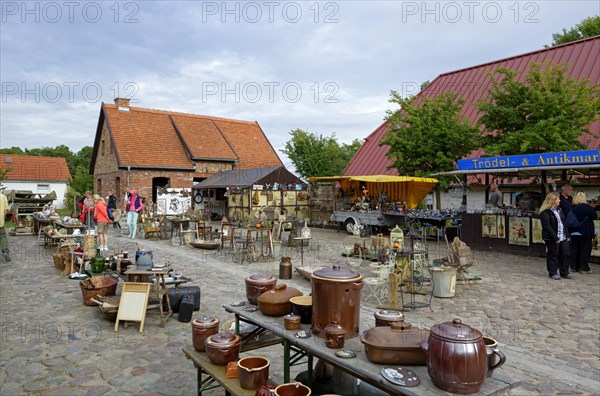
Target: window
point(43, 188)
point(102, 148)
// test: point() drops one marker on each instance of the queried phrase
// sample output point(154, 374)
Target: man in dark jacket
point(112, 205)
point(566, 200)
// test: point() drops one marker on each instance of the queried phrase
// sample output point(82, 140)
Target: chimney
point(122, 104)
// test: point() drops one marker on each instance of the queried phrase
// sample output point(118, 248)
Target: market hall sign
point(531, 160)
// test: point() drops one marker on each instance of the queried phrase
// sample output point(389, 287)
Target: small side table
point(301, 241)
point(161, 290)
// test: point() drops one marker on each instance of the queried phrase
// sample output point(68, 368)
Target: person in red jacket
point(102, 221)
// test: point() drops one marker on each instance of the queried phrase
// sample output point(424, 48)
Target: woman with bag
point(102, 221)
point(581, 237)
point(134, 207)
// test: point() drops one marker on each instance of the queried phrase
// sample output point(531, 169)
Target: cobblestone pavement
point(54, 345)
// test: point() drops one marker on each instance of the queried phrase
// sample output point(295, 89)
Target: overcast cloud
point(325, 67)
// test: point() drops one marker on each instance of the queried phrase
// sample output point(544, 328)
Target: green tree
point(588, 27)
point(546, 112)
point(428, 137)
point(318, 155)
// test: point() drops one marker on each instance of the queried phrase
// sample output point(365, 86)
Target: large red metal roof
point(473, 83)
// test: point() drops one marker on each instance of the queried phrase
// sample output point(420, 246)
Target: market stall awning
point(408, 189)
point(244, 178)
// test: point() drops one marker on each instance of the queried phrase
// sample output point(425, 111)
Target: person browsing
point(134, 207)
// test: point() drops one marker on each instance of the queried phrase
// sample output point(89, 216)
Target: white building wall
point(37, 188)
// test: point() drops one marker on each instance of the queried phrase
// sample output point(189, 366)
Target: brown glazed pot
point(385, 317)
point(399, 343)
point(334, 335)
point(203, 327)
point(336, 297)
point(222, 348)
point(292, 389)
point(302, 305)
point(253, 372)
point(457, 358)
point(257, 284)
point(291, 321)
point(276, 302)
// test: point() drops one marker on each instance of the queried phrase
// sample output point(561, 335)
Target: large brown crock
point(399, 343)
point(457, 358)
point(336, 297)
point(276, 302)
point(257, 284)
point(222, 348)
point(203, 327)
point(253, 372)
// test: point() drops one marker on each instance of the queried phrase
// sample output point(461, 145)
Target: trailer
point(376, 200)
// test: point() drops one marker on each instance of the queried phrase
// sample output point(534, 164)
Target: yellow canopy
point(409, 189)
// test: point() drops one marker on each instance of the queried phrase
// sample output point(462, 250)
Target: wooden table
point(215, 374)
point(134, 275)
point(359, 367)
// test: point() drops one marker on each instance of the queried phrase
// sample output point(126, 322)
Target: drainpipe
point(128, 170)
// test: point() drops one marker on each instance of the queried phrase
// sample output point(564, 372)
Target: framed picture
point(488, 226)
point(518, 231)
point(536, 231)
point(501, 227)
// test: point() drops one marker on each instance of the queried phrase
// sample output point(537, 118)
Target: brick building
point(147, 149)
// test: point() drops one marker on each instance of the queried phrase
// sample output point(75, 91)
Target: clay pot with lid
point(334, 335)
point(385, 317)
point(399, 343)
point(203, 327)
point(291, 321)
point(257, 284)
point(222, 347)
point(336, 297)
point(276, 302)
point(457, 357)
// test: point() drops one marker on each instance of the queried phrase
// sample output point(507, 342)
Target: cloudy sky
point(325, 67)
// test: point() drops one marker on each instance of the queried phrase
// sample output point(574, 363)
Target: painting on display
point(488, 226)
point(501, 227)
point(595, 244)
point(518, 231)
point(536, 231)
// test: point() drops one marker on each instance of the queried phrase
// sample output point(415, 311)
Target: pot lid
point(206, 321)
point(281, 293)
point(456, 331)
point(260, 278)
point(222, 338)
point(400, 335)
point(335, 328)
point(389, 314)
point(335, 272)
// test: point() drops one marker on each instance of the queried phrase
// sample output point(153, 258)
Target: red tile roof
point(165, 139)
point(35, 168)
point(473, 83)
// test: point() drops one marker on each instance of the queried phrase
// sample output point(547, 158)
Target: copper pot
point(336, 297)
point(222, 348)
point(292, 389)
point(457, 358)
point(334, 335)
point(276, 302)
point(253, 372)
point(385, 317)
point(399, 343)
point(257, 284)
point(203, 327)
